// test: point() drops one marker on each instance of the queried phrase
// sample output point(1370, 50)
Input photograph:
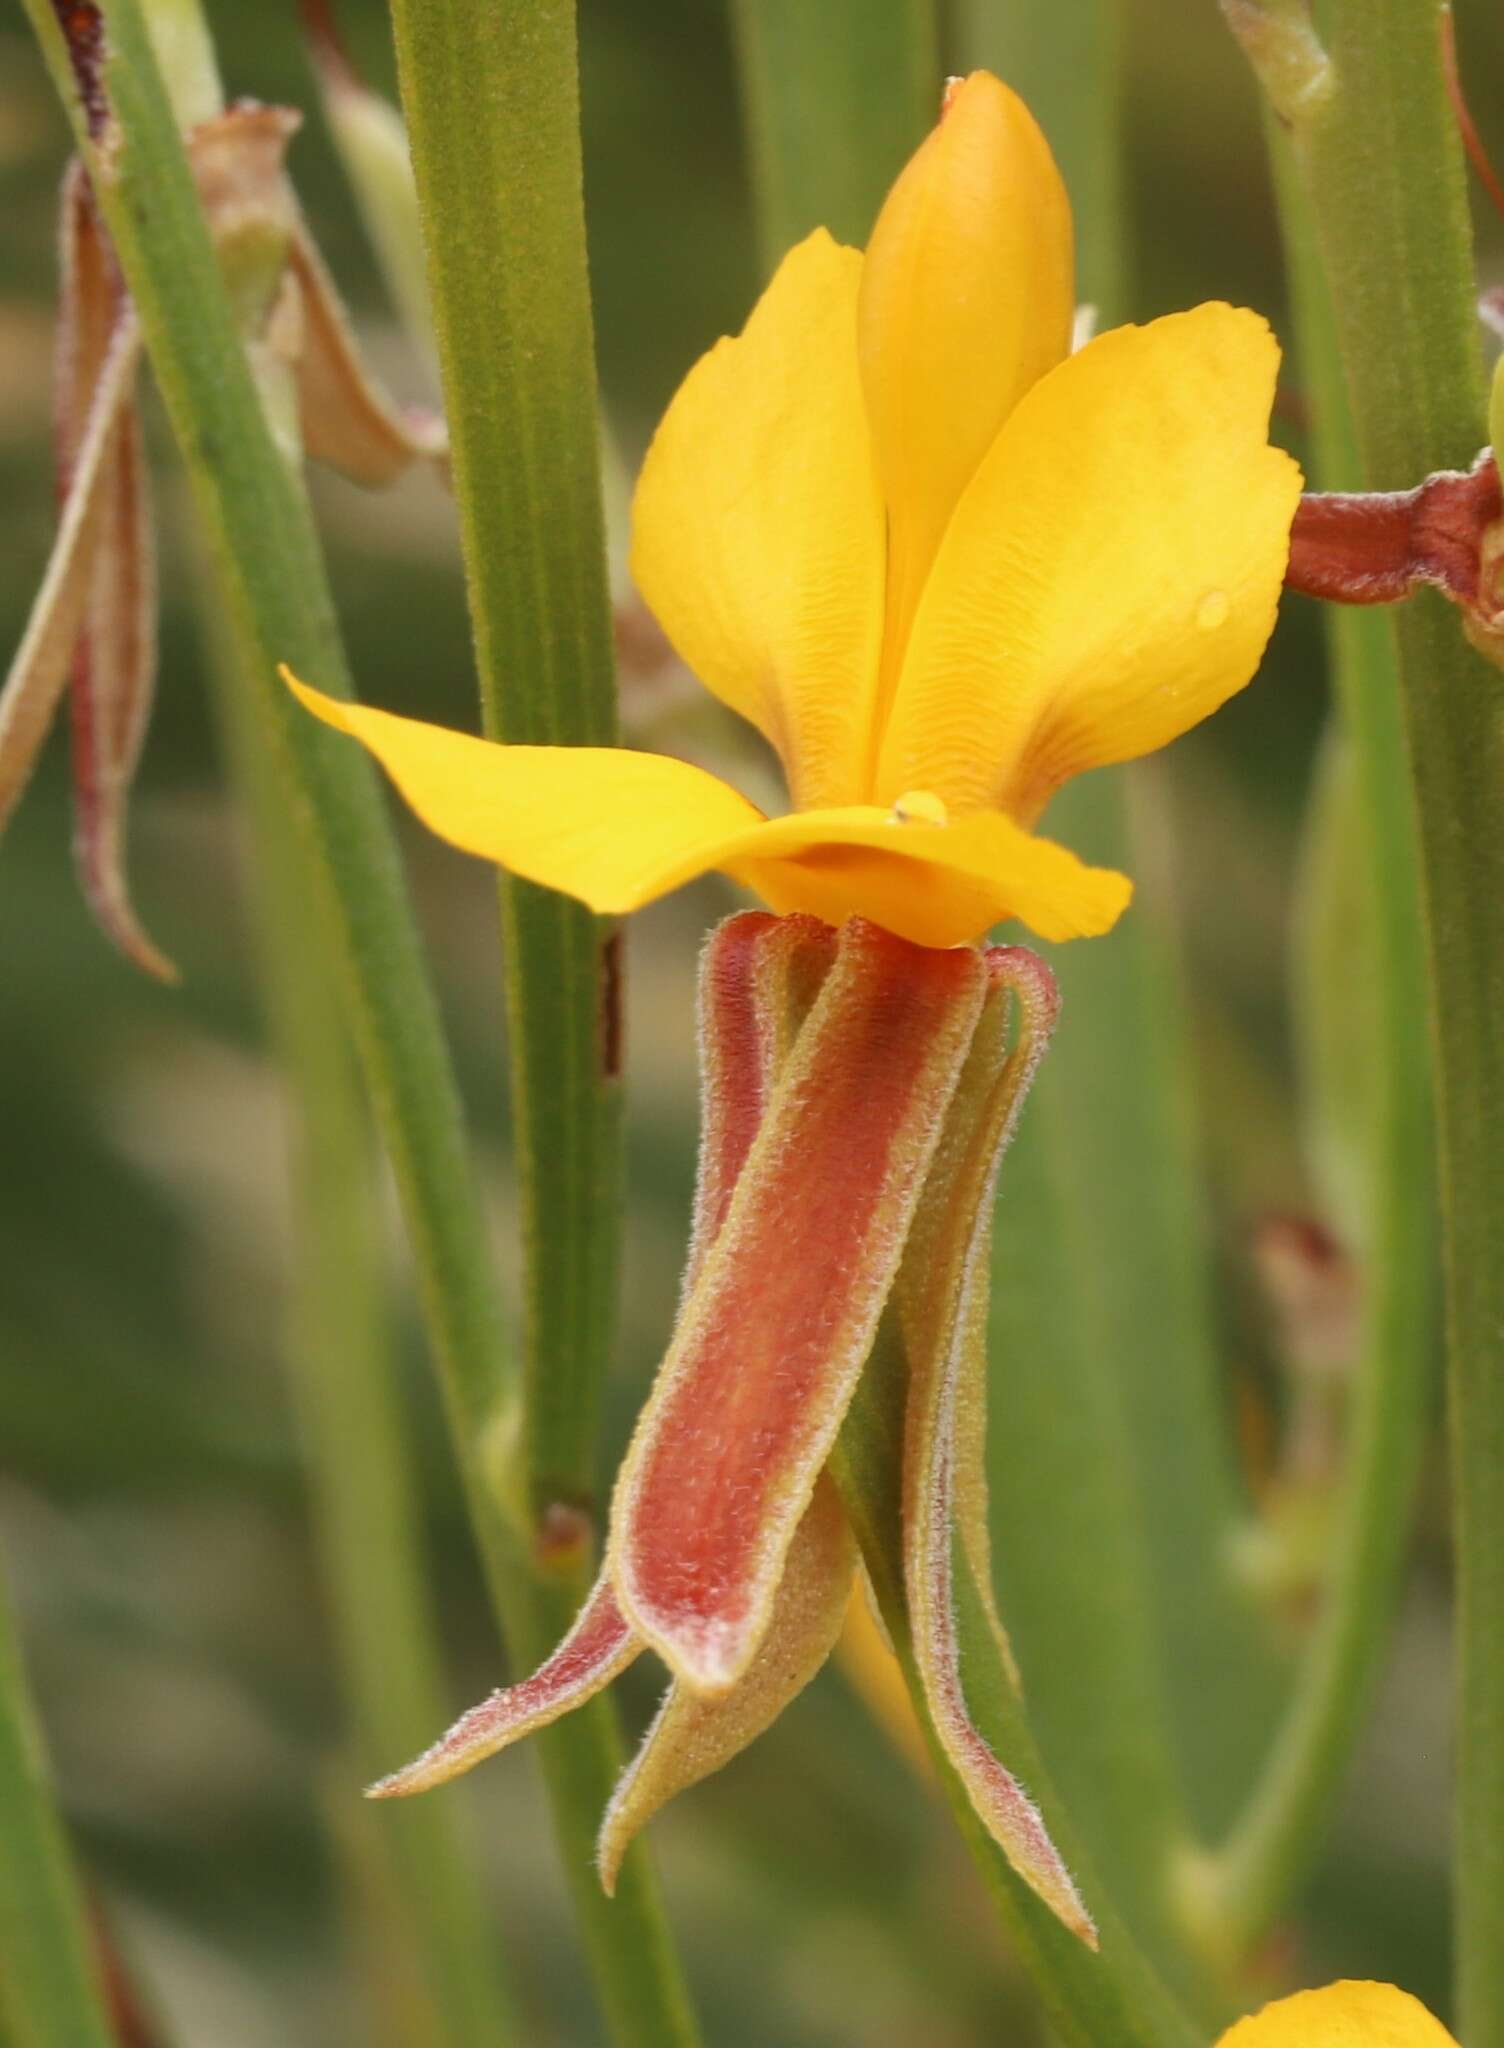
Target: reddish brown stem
point(1376, 547)
point(1467, 128)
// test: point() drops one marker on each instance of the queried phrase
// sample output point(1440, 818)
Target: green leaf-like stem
point(1365, 1035)
point(491, 100)
point(1381, 164)
point(48, 1990)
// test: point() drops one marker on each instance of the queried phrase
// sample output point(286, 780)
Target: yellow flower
point(941, 563)
point(1344, 2015)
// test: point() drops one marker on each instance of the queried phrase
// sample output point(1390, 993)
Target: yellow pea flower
point(1347, 2015)
point(941, 563)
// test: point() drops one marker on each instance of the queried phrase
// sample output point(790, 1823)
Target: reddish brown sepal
point(775, 1331)
point(598, 1646)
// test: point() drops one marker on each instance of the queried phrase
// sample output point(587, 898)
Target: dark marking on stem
point(82, 25)
point(328, 46)
point(1467, 127)
point(129, 2026)
point(563, 1537)
point(611, 992)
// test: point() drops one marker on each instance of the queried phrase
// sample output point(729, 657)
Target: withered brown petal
point(39, 672)
point(348, 421)
point(114, 671)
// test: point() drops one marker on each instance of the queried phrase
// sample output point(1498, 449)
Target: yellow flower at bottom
point(1346, 2015)
point(940, 575)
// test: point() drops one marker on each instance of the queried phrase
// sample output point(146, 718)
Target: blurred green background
point(152, 1507)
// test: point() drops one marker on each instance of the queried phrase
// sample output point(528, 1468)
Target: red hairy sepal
point(941, 1298)
point(781, 1315)
point(858, 1093)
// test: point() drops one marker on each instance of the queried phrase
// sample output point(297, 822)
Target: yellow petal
point(609, 826)
point(1112, 573)
point(967, 300)
point(758, 529)
point(617, 829)
point(936, 885)
point(1342, 2016)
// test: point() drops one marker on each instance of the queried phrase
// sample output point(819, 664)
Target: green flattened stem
point(1380, 161)
point(491, 100)
point(256, 522)
point(1102, 1268)
point(345, 1384)
point(1360, 972)
point(49, 1995)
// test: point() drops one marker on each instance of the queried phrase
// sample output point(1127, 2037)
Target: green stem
point(836, 98)
point(492, 108)
point(1251, 1878)
point(491, 101)
point(1108, 1368)
point(256, 522)
point(1067, 62)
point(48, 1994)
point(1380, 160)
point(344, 1379)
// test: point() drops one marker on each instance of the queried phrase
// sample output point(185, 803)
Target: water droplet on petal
point(1212, 611)
point(920, 807)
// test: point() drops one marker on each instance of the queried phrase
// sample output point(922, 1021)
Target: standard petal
point(758, 526)
point(692, 1737)
point(750, 1397)
point(1112, 573)
point(598, 1646)
point(1347, 2015)
point(612, 827)
point(967, 299)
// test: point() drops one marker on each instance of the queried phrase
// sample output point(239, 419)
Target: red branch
point(328, 45)
point(1375, 547)
point(1467, 128)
